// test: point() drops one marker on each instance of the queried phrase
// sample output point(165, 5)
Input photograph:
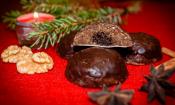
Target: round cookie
point(94, 67)
point(104, 35)
point(146, 49)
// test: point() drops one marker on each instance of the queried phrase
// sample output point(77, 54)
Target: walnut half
point(26, 61)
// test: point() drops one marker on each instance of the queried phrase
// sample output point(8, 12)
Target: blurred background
point(6, 5)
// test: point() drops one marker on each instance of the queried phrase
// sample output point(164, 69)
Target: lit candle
point(24, 25)
point(36, 16)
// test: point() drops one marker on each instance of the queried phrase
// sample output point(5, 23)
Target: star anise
point(157, 84)
point(116, 97)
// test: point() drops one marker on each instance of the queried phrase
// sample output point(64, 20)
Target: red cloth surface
point(52, 88)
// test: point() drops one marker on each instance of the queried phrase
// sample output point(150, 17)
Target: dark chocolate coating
point(93, 67)
point(65, 47)
point(146, 49)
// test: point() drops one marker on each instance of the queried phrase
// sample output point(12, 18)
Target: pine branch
point(10, 18)
point(41, 5)
point(51, 33)
point(54, 9)
point(70, 17)
point(58, 8)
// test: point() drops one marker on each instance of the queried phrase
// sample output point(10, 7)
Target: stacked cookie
point(102, 49)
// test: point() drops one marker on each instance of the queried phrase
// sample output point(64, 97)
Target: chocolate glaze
point(146, 49)
point(65, 47)
point(93, 67)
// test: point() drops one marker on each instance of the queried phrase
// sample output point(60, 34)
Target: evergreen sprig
point(42, 5)
point(51, 33)
point(70, 16)
point(10, 18)
point(55, 7)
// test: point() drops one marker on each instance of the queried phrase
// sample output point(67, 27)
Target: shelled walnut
point(40, 62)
point(43, 59)
point(26, 61)
point(10, 54)
point(13, 54)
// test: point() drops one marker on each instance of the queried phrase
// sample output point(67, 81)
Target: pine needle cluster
point(69, 17)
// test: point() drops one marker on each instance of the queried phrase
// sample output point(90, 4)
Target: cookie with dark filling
point(94, 67)
point(146, 49)
point(104, 35)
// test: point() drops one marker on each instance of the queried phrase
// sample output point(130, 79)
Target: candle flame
point(35, 15)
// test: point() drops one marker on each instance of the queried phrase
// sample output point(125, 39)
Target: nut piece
point(41, 57)
point(25, 53)
point(13, 54)
point(44, 59)
point(9, 54)
point(26, 61)
point(40, 62)
point(29, 67)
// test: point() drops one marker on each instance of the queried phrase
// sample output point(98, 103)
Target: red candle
point(24, 25)
point(35, 17)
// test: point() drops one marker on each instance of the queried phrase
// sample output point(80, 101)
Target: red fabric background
point(52, 88)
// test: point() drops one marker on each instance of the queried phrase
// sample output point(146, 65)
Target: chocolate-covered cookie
point(65, 47)
point(99, 34)
point(146, 49)
point(93, 67)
